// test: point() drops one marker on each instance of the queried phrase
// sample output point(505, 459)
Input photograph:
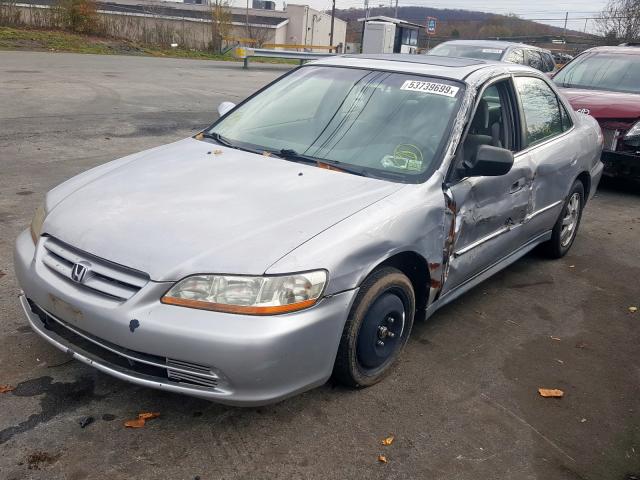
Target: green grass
point(60, 41)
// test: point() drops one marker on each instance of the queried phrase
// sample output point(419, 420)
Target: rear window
point(467, 51)
point(616, 72)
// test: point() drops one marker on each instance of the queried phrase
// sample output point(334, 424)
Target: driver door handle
point(518, 185)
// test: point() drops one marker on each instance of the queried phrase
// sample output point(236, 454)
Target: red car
point(604, 82)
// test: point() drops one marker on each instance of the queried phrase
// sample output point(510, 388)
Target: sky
point(545, 11)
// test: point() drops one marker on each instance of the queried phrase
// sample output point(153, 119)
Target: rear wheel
point(566, 228)
point(377, 328)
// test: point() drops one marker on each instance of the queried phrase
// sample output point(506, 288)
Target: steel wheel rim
point(380, 334)
point(570, 220)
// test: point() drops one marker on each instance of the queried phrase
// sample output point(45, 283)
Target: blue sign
point(431, 25)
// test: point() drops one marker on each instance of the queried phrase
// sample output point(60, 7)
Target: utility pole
point(248, 34)
point(333, 16)
point(564, 35)
point(396, 15)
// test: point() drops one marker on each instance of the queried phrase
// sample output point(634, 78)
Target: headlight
point(268, 295)
point(36, 223)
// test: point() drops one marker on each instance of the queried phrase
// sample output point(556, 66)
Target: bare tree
point(220, 23)
point(620, 20)
point(258, 34)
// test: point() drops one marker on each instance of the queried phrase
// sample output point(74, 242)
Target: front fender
point(410, 220)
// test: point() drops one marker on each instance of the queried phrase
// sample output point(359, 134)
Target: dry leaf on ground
point(6, 388)
point(388, 440)
point(551, 392)
point(141, 420)
point(633, 309)
point(557, 339)
point(148, 415)
point(137, 423)
point(382, 459)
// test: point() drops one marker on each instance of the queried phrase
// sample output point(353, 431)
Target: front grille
point(162, 369)
point(104, 277)
point(610, 139)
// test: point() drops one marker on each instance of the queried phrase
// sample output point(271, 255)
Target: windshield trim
point(379, 174)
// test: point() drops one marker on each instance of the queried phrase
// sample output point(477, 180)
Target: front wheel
point(566, 228)
point(377, 328)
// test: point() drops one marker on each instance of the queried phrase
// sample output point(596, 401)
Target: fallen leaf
point(572, 266)
point(199, 136)
point(217, 152)
point(583, 420)
point(148, 415)
point(559, 361)
point(141, 420)
point(633, 309)
point(137, 423)
point(550, 392)
point(557, 339)
point(6, 388)
point(382, 459)
point(388, 440)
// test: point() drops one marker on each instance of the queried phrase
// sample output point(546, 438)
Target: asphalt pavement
point(463, 402)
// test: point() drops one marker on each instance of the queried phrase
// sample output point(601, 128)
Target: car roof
point(490, 44)
point(454, 68)
point(618, 49)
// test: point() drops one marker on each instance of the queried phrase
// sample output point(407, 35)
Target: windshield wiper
point(220, 139)
point(290, 154)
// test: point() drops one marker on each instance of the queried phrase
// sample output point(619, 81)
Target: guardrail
point(246, 53)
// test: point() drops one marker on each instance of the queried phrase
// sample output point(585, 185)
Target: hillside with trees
point(454, 24)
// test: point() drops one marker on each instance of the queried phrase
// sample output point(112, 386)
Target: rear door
point(553, 150)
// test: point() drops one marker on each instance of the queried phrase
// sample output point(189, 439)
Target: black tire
point(382, 312)
point(558, 246)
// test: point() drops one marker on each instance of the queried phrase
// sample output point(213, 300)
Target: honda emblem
point(79, 271)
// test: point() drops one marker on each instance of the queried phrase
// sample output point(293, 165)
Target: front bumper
point(621, 164)
point(245, 360)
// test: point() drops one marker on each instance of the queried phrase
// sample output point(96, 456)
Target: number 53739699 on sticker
point(430, 87)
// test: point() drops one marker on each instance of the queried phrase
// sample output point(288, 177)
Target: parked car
point(604, 82)
point(511, 52)
point(303, 232)
point(561, 59)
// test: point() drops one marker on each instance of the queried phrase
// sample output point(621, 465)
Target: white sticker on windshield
point(430, 87)
point(491, 50)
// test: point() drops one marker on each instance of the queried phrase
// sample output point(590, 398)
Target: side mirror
point(489, 162)
point(225, 107)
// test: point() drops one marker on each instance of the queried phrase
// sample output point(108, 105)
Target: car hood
point(603, 104)
point(196, 207)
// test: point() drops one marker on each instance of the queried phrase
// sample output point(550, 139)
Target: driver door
point(487, 210)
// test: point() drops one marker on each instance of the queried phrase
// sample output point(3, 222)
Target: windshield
point(381, 124)
point(467, 51)
point(602, 71)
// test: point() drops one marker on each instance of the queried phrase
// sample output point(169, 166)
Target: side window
point(542, 109)
point(549, 62)
point(516, 56)
point(492, 122)
point(567, 123)
point(534, 60)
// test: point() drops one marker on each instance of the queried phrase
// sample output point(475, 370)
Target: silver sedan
point(303, 233)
